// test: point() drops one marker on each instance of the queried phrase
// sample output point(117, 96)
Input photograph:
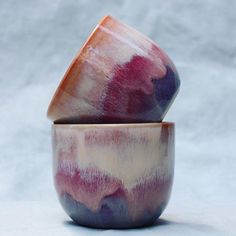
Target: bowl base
point(112, 214)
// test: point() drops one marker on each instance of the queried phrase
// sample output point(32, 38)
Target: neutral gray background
point(38, 40)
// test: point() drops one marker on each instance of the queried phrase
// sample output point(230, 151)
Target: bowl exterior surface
point(113, 176)
point(119, 76)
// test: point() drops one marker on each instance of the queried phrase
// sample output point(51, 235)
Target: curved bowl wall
point(119, 76)
point(113, 176)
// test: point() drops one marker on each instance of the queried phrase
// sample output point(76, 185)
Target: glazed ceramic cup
point(114, 175)
point(119, 76)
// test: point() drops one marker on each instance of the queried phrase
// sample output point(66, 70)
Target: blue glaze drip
point(112, 214)
point(166, 87)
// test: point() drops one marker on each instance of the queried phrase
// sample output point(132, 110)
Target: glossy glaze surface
point(113, 176)
point(119, 76)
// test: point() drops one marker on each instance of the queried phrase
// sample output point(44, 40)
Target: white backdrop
point(38, 40)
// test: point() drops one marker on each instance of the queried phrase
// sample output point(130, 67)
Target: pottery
point(119, 76)
point(113, 175)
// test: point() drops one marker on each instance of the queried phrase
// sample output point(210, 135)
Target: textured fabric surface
point(38, 40)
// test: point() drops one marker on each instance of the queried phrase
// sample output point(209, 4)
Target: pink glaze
point(90, 186)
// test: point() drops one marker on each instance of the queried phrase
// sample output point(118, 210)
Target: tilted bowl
point(119, 76)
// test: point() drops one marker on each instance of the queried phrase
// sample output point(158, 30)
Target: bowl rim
point(64, 79)
point(118, 125)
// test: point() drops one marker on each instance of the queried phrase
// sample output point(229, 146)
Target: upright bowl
point(113, 175)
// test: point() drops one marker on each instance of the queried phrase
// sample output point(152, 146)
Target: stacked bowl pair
point(113, 157)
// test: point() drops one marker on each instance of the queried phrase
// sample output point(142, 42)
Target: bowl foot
point(113, 214)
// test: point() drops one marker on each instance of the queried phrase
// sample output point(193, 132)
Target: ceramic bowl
point(113, 175)
point(119, 76)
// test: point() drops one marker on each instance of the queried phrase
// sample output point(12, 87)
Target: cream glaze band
point(130, 152)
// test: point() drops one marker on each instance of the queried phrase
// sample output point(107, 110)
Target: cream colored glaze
point(131, 162)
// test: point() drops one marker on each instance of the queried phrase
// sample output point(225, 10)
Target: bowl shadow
point(159, 225)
